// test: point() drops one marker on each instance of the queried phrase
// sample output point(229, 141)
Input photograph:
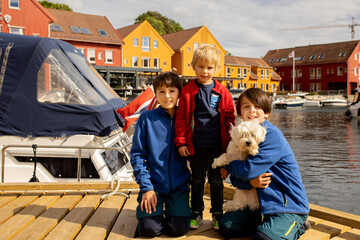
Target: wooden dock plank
point(314, 220)
point(336, 216)
point(353, 234)
point(6, 199)
point(126, 224)
point(331, 228)
point(49, 219)
point(313, 234)
point(103, 219)
point(16, 206)
point(72, 223)
point(17, 223)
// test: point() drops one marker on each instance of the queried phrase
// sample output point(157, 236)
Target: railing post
point(79, 166)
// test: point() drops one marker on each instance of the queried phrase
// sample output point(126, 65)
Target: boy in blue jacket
point(284, 206)
point(158, 167)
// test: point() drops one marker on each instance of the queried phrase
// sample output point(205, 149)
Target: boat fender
point(34, 178)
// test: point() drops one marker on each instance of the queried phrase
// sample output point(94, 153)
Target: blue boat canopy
point(48, 88)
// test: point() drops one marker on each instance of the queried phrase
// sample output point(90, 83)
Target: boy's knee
point(177, 225)
point(150, 226)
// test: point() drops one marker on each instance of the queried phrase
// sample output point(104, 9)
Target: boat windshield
point(114, 159)
point(60, 82)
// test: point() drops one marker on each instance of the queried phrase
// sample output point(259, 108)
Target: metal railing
point(79, 148)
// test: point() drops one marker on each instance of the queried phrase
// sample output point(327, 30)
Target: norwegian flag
point(131, 112)
point(291, 55)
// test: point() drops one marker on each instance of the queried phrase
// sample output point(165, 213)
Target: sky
point(245, 28)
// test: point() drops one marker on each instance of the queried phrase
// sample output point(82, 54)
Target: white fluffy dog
point(245, 140)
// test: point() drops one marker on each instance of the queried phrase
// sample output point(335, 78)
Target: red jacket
point(184, 123)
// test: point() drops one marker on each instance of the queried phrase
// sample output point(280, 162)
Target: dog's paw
point(230, 206)
point(216, 163)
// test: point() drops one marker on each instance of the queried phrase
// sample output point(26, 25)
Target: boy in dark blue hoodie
point(284, 205)
point(158, 167)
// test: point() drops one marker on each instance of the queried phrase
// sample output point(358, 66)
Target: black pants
point(200, 164)
point(153, 226)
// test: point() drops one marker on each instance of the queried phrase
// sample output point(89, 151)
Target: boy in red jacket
point(203, 121)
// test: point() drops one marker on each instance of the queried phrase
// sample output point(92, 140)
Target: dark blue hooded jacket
point(155, 159)
point(286, 193)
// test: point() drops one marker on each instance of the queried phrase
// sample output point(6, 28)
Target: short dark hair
point(168, 79)
point(258, 97)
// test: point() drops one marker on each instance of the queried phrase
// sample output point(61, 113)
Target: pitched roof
point(243, 61)
point(312, 54)
point(127, 30)
point(52, 19)
point(178, 39)
point(66, 19)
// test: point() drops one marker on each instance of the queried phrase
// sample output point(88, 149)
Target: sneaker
point(307, 225)
point(195, 221)
point(216, 218)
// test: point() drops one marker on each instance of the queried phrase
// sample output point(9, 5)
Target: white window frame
point(155, 46)
point(340, 71)
point(100, 56)
point(262, 73)
point(125, 61)
point(356, 71)
point(135, 42)
point(196, 45)
point(144, 60)
point(299, 73)
point(239, 72)
point(244, 72)
point(91, 53)
point(318, 73)
point(267, 73)
point(244, 85)
point(109, 56)
point(135, 61)
point(273, 87)
point(156, 62)
point(20, 30)
point(227, 71)
point(14, 7)
point(145, 44)
point(312, 73)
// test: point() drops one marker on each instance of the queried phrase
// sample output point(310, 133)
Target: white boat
point(312, 103)
point(354, 108)
point(59, 119)
point(289, 103)
point(334, 102)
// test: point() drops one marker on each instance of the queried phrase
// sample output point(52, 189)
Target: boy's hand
point(261, 181)
point(224, 173)
point(148, 201)
point(184, 151)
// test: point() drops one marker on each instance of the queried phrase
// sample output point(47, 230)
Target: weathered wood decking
point(76, 211)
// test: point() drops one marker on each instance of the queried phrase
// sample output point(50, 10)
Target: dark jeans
point(200, 164)
point(153, 226)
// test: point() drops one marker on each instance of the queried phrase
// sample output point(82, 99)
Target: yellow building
point(144, 47)
point(251, 72)
point(185, 42)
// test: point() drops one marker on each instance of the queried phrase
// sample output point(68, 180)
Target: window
point(332, 71)
point(266, 87)
point(75, 29)
point(188, 49)
point(339, 71)
point(135, 42)
point(156, 62)
point(312, 57)
point(102, 33)
point(244, 84)
point(196, 45)
point(267, 73)
point(274, 87)
point(312, 73)
point(318, 73)
point(299, 72)
point(14, 3)
point(239, 72)
point(321, 56)
point(262, 73)
point(262, 87)
point(99, 55)
point(145, 44)
point(55, 28)
point(135, 61)
point(155, 43)
point(145, 62)
point(108, 56)
point(244, 72)
point(16, 30)
point(271, 61)
point(164, 63)
point(125, 61)
point(91, 56)
point(227, 71)
point(85, 30)
point(328, 71)
point(356, 56)
point(356, 71)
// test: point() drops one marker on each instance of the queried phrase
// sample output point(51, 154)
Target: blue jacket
point(286, 193)
point(154, 157)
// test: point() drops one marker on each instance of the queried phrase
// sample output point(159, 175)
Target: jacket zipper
point(171, 143)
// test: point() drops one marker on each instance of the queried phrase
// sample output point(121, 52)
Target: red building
point(333, 66)
point(93, 35)
point(25, 17)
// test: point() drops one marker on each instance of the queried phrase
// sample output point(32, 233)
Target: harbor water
point(327, 147)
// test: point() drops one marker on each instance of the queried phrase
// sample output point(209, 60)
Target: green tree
point(162, 24)
point(47, 4)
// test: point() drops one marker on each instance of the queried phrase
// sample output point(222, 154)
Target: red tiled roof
point(127, 30)
point(178, 39)
point(331, 54)
point(243, 61)
point(65, 19)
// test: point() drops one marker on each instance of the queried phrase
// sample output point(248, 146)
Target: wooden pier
point(77, 211)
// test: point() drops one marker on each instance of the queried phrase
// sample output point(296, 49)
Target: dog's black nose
point(248, 143)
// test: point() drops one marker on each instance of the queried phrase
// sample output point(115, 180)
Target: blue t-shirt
point(207, 117)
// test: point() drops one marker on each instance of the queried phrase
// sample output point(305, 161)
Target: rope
point(109, 194)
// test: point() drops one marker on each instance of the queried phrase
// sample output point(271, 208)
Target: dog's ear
point(262, 133)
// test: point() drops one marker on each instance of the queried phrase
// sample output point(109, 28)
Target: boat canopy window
point(114, 159)
point(60, 82)
point(90, 73)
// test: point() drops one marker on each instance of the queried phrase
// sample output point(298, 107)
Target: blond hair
point(207, 53)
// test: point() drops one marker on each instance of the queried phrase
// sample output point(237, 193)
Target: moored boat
point(289, 103)
point(334, 102)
